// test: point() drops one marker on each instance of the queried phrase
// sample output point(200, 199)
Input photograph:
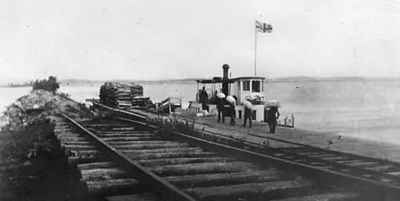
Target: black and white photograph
point(211, 100)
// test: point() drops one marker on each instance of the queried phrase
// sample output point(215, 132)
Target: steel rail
point(322, 149)
point(283, 161)
point(361, 171)
point(316, 149)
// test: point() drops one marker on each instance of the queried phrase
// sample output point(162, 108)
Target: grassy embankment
point(31, 165)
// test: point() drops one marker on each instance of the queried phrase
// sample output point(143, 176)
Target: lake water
point(365, 109)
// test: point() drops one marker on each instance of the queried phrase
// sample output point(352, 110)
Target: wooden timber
point(199, 168)
point(219, 179)
point(248, 191)
point(323, 197)
point(173, 161)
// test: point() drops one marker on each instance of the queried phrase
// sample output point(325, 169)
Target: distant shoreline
point(74, 82)
point(19, 86)
point(193, 80)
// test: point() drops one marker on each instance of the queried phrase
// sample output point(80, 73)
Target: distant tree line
point(49, 84)
point(23, 84)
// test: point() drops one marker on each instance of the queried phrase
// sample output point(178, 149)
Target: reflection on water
point(366, 109)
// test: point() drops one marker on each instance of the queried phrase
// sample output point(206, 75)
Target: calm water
point(8, 95)
point(365, 109)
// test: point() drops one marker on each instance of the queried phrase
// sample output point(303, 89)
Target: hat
point(272, 103)
point(231, 99)
point(247, 104)
point(220, 95)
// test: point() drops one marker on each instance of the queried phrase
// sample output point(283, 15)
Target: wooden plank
point(112, 186)
point(84, 152)
point(118, 139)
point(123, 128)
point(102, 125)
point(67, 135)
point(151, 146)
point(322, 156)
point(278, 154)
point(105, 164)
point(72, 139)
point(279, 145)
point(86, 142)
point(169, 155)
point(362, 163)
point(201, 168)
point(78, 147)
point(344, 162)
point(102, 174)
point(336, 158)
point(163, 150)
point(129, 142)
point(266, 190)
point(74, 160)
point(218, 179)
point(172, 161)
point(126, 135)
point(134, 197)
point(125, 132)
point(309, 153)
point(61, 129)
point(381, 168)
point(394, 173)
point(323, 197)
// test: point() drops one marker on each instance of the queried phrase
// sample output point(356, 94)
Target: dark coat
point(229, 109)
point(220, 103)
point(203, 96)
point(273, 114)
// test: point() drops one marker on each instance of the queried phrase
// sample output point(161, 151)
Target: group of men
point(226, 107)
point(272, 115)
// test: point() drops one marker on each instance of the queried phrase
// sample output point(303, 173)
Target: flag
point(263, 27)
point(259, 26)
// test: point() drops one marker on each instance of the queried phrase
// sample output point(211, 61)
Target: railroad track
point(380, 172)
point(120, 160)
point(380, 175)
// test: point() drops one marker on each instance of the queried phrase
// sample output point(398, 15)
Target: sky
point(158, 39)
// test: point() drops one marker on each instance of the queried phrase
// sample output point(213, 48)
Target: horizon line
point(287, 78)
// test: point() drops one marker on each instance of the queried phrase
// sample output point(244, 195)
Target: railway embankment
point(31, 164)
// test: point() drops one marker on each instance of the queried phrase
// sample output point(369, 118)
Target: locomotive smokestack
point(225, 79)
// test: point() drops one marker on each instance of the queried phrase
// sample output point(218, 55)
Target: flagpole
point(255, 48)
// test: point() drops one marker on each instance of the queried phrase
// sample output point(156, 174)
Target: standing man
point(247, 112)
point(232, 113)
point(203, 99)
point(220, 106)
point(230, 108)
point(273, 115)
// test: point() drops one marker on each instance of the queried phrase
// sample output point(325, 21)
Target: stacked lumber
point(141, 101)
point(169, 105)
point(119, 95)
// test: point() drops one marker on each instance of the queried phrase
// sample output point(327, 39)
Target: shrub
point(49, 84)
point(64, 95)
